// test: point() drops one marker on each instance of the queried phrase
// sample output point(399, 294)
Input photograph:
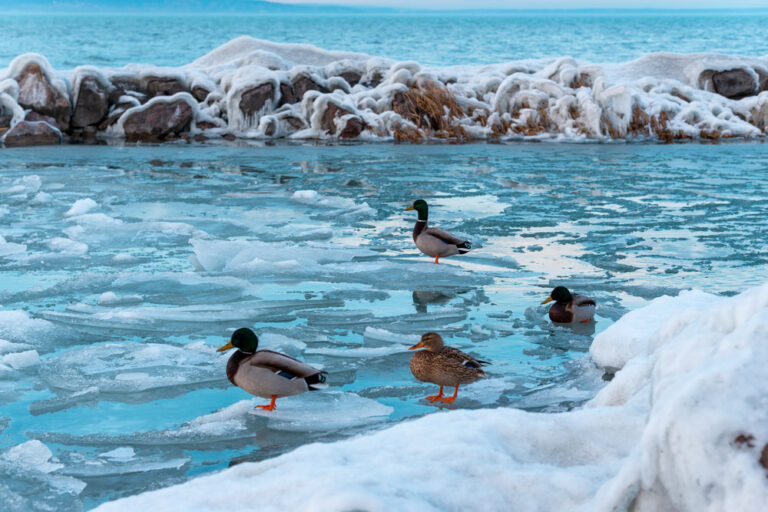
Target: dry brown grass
point(581, 80)
point(434, 110)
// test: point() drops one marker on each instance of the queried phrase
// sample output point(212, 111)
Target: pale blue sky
point(546, 4)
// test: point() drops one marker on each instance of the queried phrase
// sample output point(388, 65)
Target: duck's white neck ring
point(420, 220)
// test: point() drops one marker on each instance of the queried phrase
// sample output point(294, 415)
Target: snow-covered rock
point(251, 88)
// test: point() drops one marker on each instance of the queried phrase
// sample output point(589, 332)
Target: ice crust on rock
point(252, 88)
point(686, 411)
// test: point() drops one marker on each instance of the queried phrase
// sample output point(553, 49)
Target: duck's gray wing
point(444, 236)
point(583, 300)
point(282, 364)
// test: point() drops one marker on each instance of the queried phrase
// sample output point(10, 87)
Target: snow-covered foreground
point(682, 426)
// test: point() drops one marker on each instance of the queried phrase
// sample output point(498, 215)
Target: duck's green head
point(420, 206)
point(243, 339)
point(559, 294)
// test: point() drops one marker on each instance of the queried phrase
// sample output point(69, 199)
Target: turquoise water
point(431, 39)
point(194, 241)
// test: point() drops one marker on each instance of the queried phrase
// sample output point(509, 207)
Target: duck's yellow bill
point(549, 299)
point(225, 347)
point(410, 208)
point(418, 345)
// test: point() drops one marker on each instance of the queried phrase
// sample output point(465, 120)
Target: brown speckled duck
point(570, 308)
point(266, 373)
point(435, 242)
point(444, 366)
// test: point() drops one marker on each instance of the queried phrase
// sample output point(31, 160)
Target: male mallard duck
point(435, 241)
point(266, 373)
point(445, 366)
point(570, 308)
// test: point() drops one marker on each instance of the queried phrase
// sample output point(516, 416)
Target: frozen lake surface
point(125, 267)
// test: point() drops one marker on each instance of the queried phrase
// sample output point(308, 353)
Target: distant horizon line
point(314, 9)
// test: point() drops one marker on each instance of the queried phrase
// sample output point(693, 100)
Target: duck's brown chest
point(420, 226)
point(234, 363)
point(560, 313)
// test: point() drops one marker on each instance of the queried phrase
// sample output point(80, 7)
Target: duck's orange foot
point(448, 399)
point(586, 321)
point(270, 406)
point(434, 398)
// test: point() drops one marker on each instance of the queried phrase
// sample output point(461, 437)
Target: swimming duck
point(435, 241)
point(266, 373)
point(444, 366)
point(570, 308)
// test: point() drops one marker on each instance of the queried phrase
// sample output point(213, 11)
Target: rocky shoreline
point(253, 89)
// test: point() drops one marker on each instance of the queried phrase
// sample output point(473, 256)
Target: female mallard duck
point(570, 308)
point(266, 373)
point(435, 241)
point(444, 366)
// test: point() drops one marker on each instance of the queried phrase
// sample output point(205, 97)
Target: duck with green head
point(570, 308)
point(435, 242)
point(266, 373)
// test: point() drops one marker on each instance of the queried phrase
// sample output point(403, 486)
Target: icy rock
point(28, 133)
point(734, 83)
point(92, 103)
point(353, 125)
point(163, 86)
point(254, 100)
point(302, 84)
point(37, 93)
point(157, 120)
point(34, 117)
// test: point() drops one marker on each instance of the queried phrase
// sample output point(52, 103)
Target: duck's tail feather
point(464, 247)
point(316, 381)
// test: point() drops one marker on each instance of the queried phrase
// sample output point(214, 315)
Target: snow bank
point(682, 426)
point(250, 88)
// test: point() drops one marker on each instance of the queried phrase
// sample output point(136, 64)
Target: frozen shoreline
point(255, 89)
point(682, 426)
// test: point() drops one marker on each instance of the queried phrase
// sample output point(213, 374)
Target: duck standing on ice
point(266, 373)
point(570, 308)
point(435, 241)
point(444, 366)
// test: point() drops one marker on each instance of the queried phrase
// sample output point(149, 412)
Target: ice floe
point(124, 369)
